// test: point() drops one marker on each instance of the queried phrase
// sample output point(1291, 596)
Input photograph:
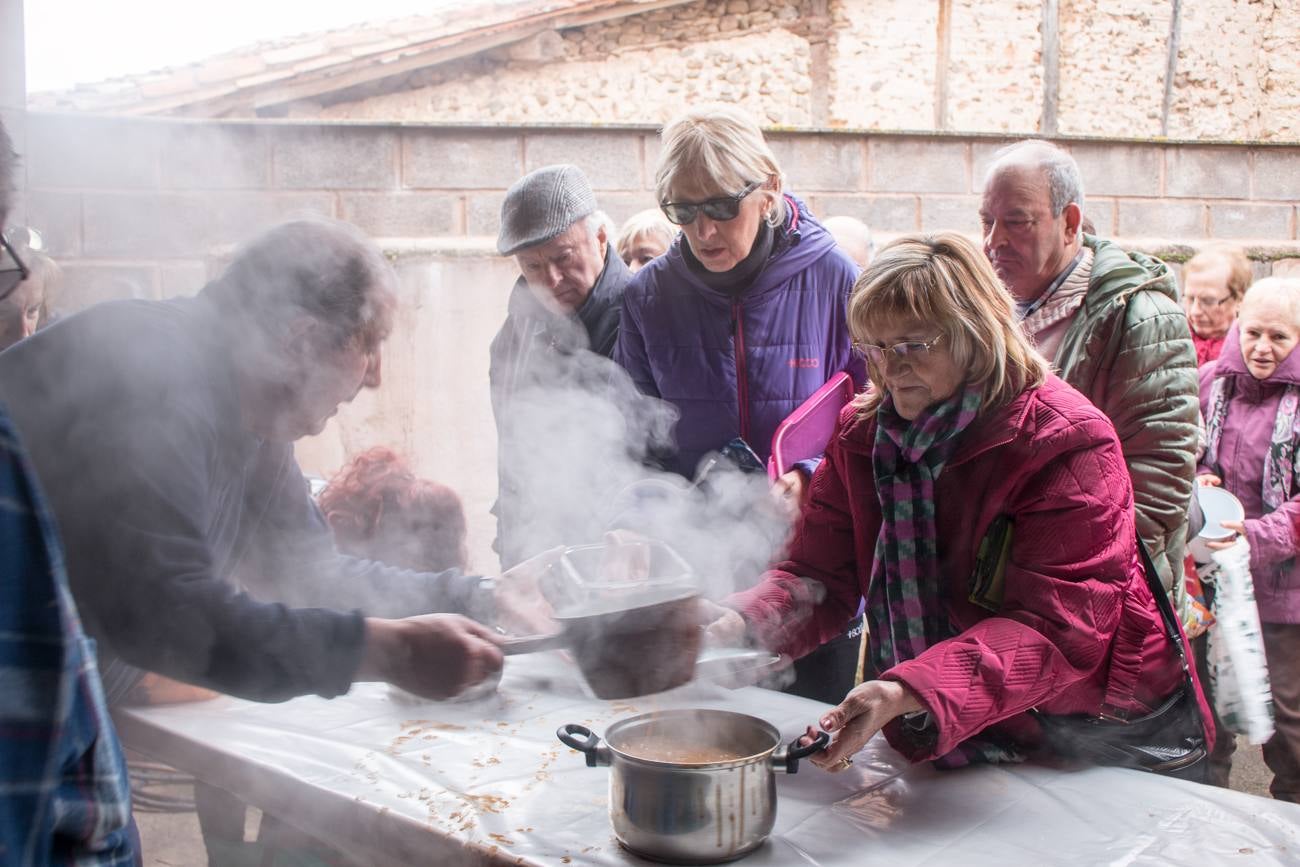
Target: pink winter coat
point(1075, 603)
point(1247, 430)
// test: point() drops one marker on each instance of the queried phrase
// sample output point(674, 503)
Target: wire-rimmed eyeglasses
point(908, 350)
point(11, 276)
point(1207, 304)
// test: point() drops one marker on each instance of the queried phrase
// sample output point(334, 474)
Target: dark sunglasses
point(11, 277)
point(722, 208)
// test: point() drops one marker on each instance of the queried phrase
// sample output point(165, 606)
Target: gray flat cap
point(541, 205)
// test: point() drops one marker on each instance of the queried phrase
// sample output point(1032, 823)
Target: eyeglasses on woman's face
point(722, 208)
point(909, 350)
point(1205, 302)
point(12, 270)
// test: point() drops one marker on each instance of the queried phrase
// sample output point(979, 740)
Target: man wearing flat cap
point(563, 310)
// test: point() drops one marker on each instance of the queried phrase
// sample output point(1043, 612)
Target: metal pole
point(1051, 65)
point(1171, 65)
point(943, 56)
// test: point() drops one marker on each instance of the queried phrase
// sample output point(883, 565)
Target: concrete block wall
point(150, 202)
point(150, 208)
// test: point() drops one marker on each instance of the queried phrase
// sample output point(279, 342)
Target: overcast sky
point(71, 41)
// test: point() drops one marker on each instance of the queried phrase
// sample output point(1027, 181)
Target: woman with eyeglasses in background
point(983, 508)
point(743, 318)
point(27, 280)
point(1214, 282)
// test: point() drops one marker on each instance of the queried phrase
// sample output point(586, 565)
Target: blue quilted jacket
point(738, 365)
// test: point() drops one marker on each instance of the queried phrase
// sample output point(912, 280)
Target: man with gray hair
point(563, 309)
point(1110, 322)
point(163, 434)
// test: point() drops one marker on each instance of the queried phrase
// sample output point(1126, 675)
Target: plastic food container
point(1218, 506)
point(591, 573)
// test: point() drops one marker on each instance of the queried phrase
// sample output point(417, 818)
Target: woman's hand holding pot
point(723, 627)
point(854, 721)
point(521, 604)
point(1209, 480)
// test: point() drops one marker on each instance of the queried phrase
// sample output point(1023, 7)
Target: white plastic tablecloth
point(389, 780)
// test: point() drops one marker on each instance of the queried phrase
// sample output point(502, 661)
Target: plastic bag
point(1237, 667)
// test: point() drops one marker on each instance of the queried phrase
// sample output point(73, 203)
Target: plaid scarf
point(904, 609)
point(1280, 459)
point(904, 604)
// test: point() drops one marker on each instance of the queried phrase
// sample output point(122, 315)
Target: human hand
point(788, 490)
point(723, 626)
point(432, 656)
point(854, 721)
point(1237, 527)
point(1209, 480)
point(625, 557)
point(521, 602)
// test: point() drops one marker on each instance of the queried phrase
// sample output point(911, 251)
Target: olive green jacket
point(1129, 350)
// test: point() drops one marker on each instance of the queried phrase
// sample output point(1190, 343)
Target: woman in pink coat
point(1250, 398)
point(965, 442)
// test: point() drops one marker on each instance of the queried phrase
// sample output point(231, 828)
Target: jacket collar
point(606, 294)
point(989, 431)
point(1117, 274)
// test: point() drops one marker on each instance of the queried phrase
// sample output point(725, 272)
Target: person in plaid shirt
point(65, 796)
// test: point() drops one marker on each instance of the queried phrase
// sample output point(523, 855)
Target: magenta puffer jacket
point(1247, 430)
point(1076, 615)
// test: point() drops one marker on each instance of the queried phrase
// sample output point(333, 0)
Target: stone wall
point(884, 64)
point(995, 75)
point(638, 69)
point(149, 208)
point(887, 63)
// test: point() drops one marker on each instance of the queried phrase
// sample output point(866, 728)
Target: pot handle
point(590, 745)
point(788, 761)
point(533, 644)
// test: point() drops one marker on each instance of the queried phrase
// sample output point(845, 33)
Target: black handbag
point(1169, 740)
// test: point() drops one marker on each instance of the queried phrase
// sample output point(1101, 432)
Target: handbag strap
point(1119, 693)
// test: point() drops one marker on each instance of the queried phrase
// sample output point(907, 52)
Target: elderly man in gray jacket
point(562, 321)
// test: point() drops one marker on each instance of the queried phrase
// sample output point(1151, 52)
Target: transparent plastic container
point(607, 571)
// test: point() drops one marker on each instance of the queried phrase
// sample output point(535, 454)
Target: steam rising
point(578, 448)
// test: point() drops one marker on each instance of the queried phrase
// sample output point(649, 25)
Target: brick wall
point(147, 208)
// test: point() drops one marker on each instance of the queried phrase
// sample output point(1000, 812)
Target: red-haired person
point(379, 510)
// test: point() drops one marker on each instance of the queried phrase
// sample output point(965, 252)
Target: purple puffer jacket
point(737, 366)
point(1243, 444)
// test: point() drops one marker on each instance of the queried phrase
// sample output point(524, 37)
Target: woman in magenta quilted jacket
point(965, 440)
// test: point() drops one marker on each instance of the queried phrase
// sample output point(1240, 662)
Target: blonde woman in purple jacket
point(1250, 398)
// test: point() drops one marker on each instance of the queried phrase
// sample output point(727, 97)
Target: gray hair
point(648, 223)
point(598, 220)
point(321, 268)
point(717, 148)
point(1064, 183)
point(1285, 288)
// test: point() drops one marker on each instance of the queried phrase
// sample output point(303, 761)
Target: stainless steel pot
point(691, 812)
